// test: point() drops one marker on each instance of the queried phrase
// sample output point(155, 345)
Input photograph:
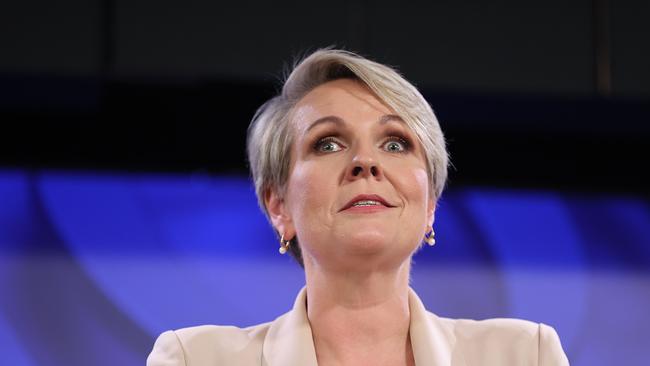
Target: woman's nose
point(364, 166)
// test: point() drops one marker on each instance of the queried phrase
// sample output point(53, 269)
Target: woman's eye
point(327, 145)
point(396, 144)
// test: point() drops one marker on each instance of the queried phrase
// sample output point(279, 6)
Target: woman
point(348, 163)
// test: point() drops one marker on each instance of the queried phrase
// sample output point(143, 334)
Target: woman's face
point(358, 191)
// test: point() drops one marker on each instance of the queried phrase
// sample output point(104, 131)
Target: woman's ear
point(431, 209)
point(279, 214)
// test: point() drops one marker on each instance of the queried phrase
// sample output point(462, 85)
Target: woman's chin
point(369, 244)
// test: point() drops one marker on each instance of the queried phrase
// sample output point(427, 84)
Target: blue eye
point(396, 144)
point(327, 144)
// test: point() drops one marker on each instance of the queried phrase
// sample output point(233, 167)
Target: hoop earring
point(429, 237)
point(284, 245)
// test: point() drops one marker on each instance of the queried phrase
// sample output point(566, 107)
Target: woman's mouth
point(366, 203)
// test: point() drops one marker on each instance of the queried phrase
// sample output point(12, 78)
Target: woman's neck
point(359, 318)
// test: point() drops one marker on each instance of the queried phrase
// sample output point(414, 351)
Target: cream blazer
point(436, 341)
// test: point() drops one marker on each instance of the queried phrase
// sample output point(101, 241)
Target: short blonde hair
point(270, 137)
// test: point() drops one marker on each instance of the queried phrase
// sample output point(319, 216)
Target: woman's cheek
point(308, 189)
point(310, 200)
point(416, 186)
point(412, 177)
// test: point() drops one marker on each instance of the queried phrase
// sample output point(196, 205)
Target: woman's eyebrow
point(327, 119)
point(390, 117)
point(339, 121)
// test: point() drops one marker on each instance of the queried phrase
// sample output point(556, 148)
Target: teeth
point(366, 203)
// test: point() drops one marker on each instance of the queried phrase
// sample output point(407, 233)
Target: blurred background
point(125, 205)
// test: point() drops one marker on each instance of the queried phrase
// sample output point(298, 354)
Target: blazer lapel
point(431, 341)
point(289, 340)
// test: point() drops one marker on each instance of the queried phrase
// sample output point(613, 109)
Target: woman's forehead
point(337, 101)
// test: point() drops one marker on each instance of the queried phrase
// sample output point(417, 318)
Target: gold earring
point(284, 245)
point(429, 237)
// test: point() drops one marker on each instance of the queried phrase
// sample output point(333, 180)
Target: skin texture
point(346, 143)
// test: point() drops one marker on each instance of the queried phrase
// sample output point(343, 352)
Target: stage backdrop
point(94, 266)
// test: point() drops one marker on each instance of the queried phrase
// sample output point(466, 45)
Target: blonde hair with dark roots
point(270, 137)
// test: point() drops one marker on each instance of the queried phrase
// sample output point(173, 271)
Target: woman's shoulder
point(506, 327)
point(226, 334)
point(520, 339)
point(208, 344)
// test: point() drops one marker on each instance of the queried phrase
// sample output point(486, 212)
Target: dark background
point(550, 94)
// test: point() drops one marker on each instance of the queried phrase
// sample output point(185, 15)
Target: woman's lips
point(366, 209)
point(366, 203)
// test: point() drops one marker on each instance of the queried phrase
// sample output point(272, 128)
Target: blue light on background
point(94, 266)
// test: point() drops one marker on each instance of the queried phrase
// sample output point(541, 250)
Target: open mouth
point(367, 201)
